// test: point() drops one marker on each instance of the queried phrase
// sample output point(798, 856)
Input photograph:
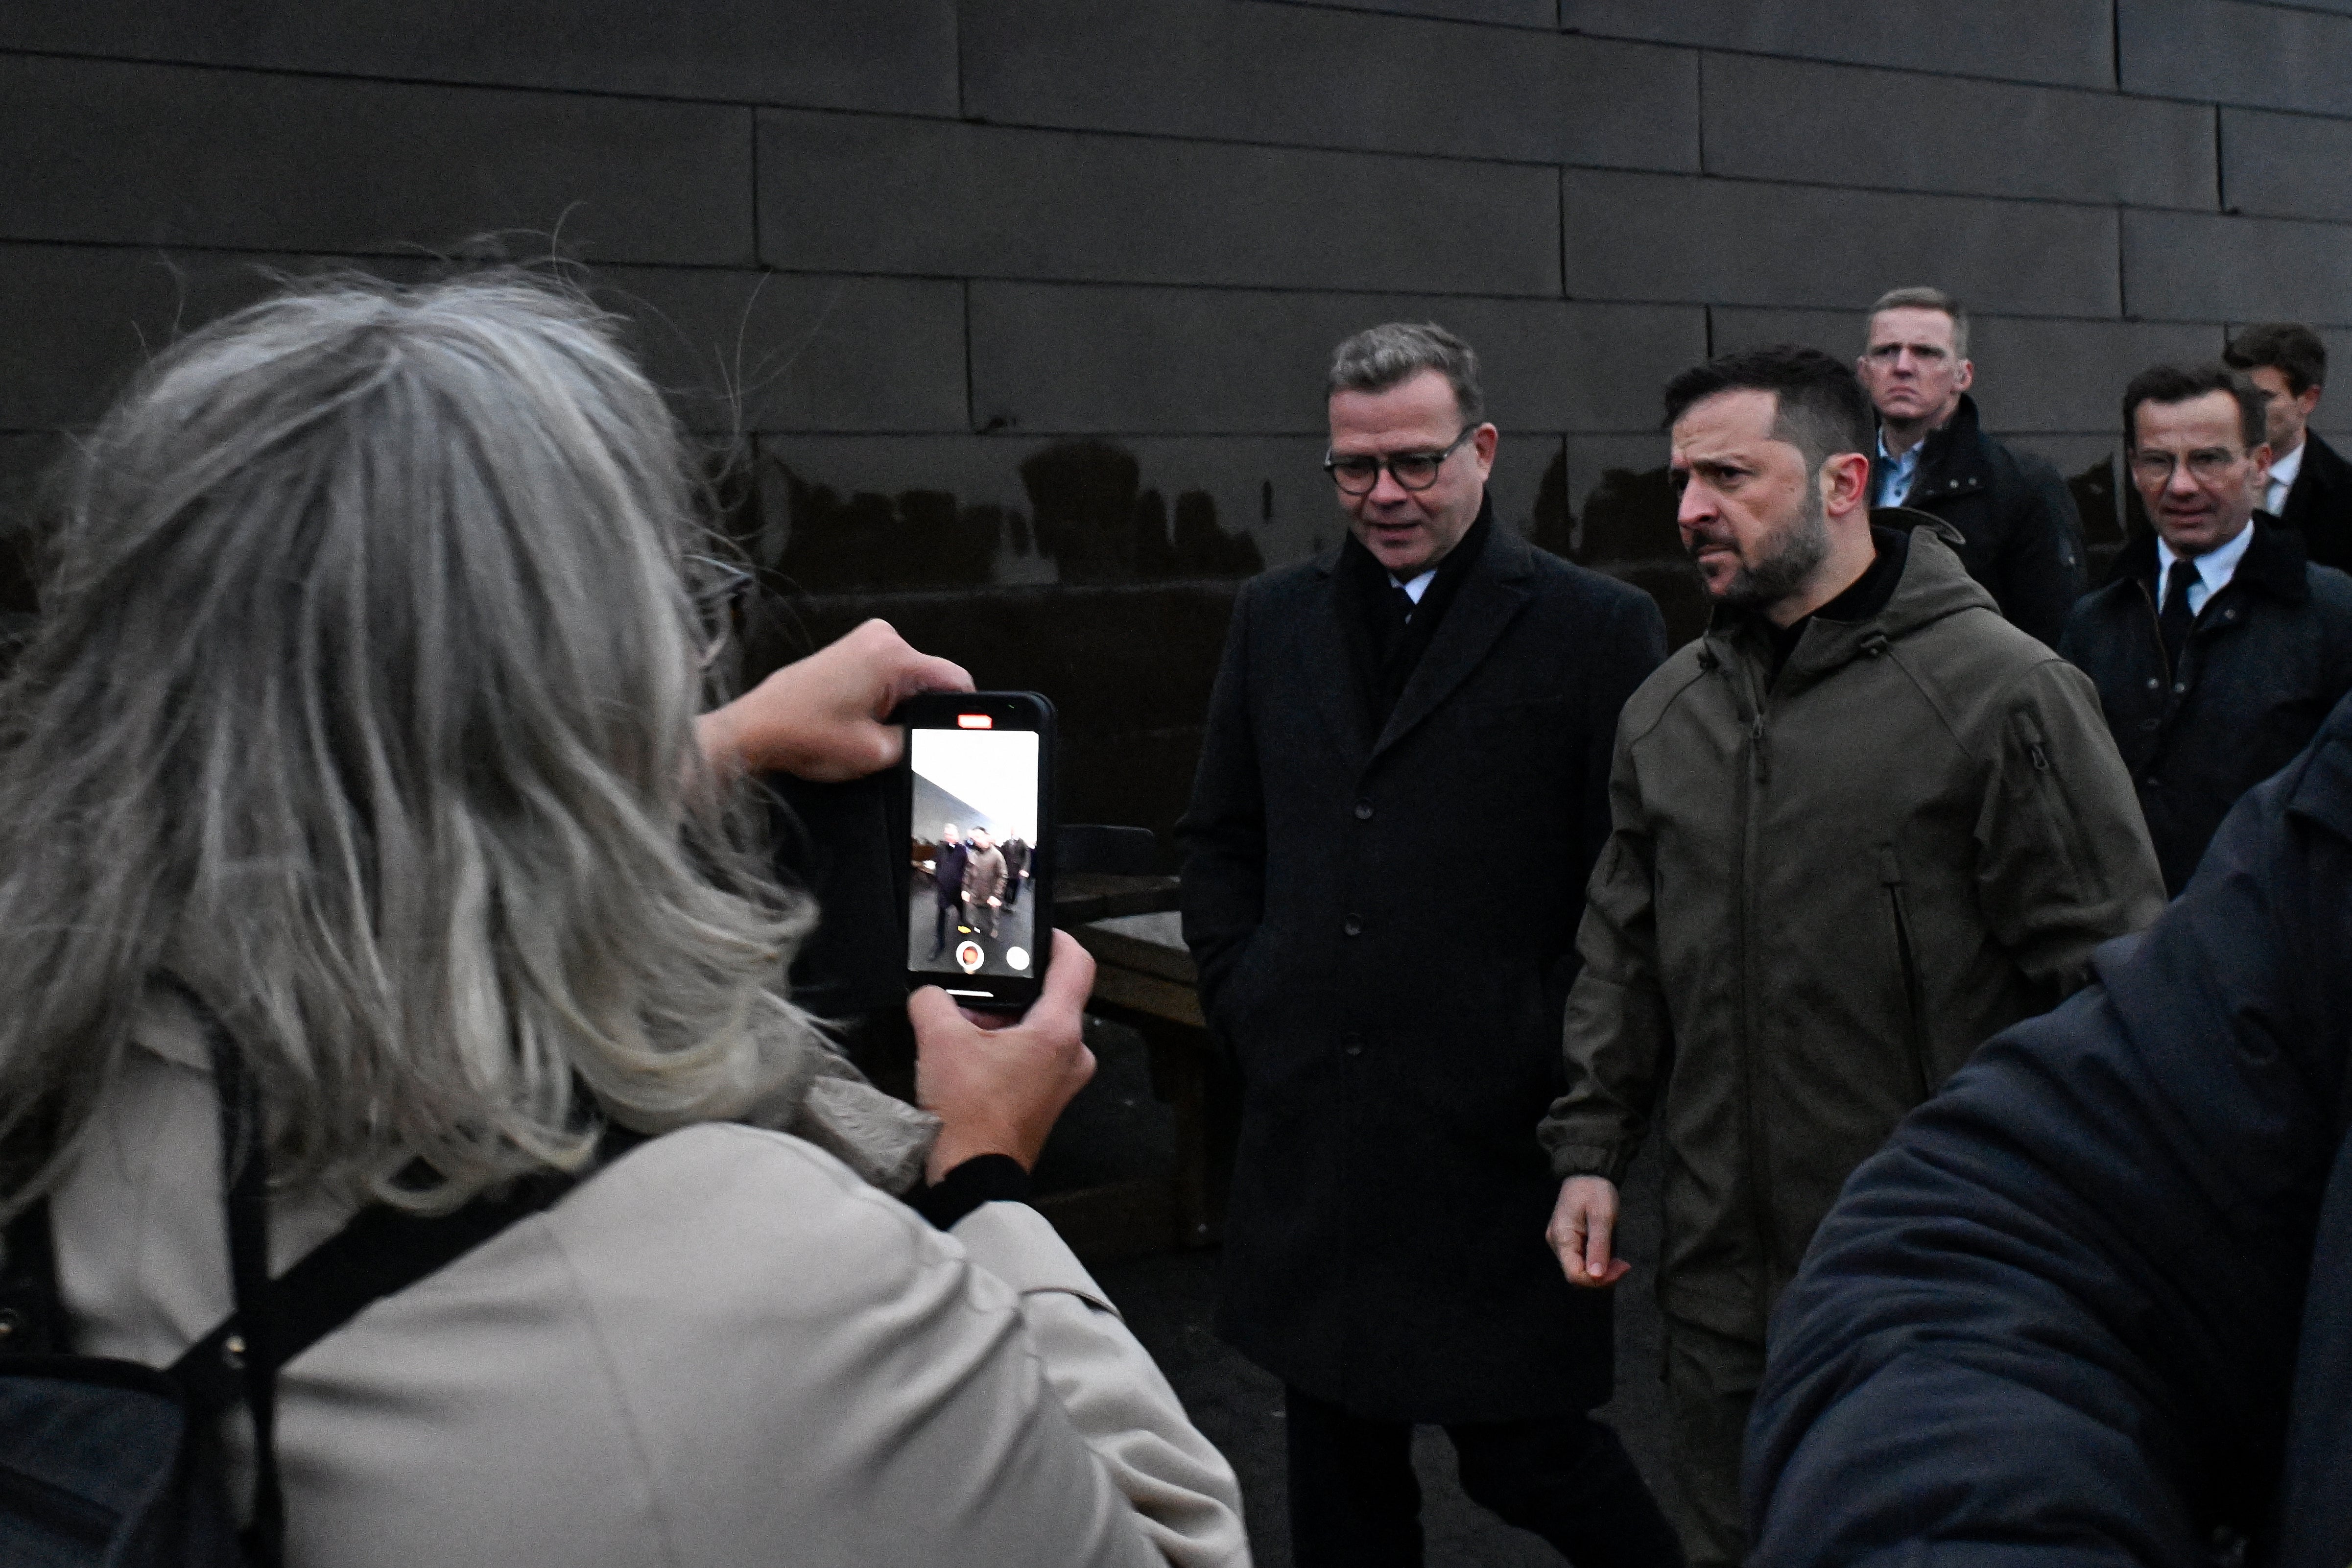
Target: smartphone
point(979, 791)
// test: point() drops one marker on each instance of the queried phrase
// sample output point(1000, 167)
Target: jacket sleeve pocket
point(2065, 859)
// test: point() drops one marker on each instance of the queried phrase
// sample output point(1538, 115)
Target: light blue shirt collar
point(1896, 474)
point(2214, 568)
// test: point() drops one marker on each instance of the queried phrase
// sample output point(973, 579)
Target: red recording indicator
point(974, 722)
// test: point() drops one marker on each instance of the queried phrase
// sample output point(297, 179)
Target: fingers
point(904, 672)
point(1582, 1232)
point(998, 1090)
point(928, 672)
point(866, 748)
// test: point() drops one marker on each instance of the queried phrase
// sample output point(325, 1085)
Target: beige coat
point(726, 1350)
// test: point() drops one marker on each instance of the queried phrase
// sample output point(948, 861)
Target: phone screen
point(972, 912)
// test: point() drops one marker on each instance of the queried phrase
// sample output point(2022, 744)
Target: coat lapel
point(1490, 597)
point(1324, 658)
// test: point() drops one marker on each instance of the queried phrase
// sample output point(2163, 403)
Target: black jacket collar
point(2273, 563)
point(1952, 457)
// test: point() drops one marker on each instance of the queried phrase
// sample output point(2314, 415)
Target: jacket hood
point(1933, 586)
point(2273, 563)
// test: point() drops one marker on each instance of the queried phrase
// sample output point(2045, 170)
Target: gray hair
point(1381, 357)
point(364, 703)
point(1923, 299)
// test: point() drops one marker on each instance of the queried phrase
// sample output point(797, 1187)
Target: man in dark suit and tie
point(2310, 486)
point(1398, 731)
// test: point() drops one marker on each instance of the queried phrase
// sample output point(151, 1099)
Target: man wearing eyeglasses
point(2020, 534)
point(2216, 648)
point(1403, 789)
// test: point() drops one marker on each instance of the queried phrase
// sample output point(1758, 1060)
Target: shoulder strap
point(381, 1252)
point(378, 1253)
point(31, 1318)
point(245, 1185)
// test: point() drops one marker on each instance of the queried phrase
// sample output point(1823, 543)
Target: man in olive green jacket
point(1861, 825)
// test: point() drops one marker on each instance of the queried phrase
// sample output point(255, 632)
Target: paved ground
point(1012, 930)
point(1114, 1127)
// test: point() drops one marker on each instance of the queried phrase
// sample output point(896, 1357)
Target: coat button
point(1353, 1044)
point(2178, 687)
point(2154, 782)
point(1353, 926)
point(2148, 724)
point(2153, 683)
point(1363, 811)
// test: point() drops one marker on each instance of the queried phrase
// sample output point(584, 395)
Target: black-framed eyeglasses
point(2207, 465)
point(719, 591)
point(1360, 475)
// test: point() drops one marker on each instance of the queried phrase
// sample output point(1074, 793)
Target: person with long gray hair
point(363, 723)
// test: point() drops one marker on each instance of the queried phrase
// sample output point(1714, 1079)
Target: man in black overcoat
point(2217, 648)
point(2020, 534)
point(947, 884)
point(2310, 484)
point(1401, 731)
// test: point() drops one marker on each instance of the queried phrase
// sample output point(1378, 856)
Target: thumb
point(930, 1009)
point(1600, 1225)
point(1070, 978)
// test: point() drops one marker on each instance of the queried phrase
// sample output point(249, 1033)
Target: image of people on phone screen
point(975, 821)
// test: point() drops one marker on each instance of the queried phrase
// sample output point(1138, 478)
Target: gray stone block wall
point(1019, 299)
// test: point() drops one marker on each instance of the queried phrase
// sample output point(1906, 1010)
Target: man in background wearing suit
point(2310, 487)
point(947, 885)
point(1398, 731)
point(2020, 534)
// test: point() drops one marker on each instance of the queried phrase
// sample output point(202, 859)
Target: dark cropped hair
point(2289, 348)
point(1923, 299)
point(2179, 384)
point(1822, 409)
point(1393, 352)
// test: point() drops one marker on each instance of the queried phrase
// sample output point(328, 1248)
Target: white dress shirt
point(2282, 473)
point(2214, 568)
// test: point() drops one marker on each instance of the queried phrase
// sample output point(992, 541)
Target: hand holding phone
point(828, 717)
point(997, 1084)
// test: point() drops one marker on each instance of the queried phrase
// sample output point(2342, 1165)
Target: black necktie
point(1402, 603)
point(2172, 622)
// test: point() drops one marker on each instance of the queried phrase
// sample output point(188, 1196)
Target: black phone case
point(1032, 711)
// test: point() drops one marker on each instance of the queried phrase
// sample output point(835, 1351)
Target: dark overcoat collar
point(1491, 597)
point(2273, 563)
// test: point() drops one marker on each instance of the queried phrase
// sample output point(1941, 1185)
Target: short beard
point(1788, 559)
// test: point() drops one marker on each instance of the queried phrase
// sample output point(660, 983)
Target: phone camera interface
point(972, 905)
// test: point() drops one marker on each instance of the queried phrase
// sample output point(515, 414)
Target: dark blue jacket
point(2269, 657)
point(2094, 1299)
